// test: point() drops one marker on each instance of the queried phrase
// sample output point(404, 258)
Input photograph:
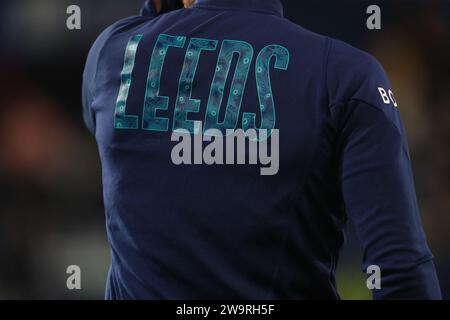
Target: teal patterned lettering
point(153, 102)
point(184, 103)
point(122, 121)
point(264, 87)
point(245, 53)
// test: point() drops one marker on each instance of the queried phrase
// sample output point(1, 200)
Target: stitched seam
point(299, 186)
point(374, 107)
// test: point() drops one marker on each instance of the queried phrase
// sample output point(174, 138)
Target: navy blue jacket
point(225, 231)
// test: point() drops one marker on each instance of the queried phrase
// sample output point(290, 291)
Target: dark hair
point(169, 5)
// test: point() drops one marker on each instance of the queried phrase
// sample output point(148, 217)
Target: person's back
point(201, 231)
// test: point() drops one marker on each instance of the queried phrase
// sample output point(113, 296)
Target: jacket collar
point(265, 6)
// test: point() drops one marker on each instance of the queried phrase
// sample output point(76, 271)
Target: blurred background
point(51, 213)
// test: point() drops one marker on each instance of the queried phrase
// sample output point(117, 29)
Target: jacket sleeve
point(377, 182)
